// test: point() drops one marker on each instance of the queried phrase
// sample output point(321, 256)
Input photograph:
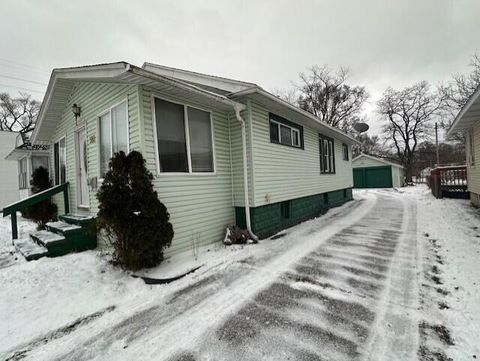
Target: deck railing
point(449, 182)
point(11, 209)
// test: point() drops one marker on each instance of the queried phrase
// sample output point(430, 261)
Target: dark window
point(59, 161)
point(274, 132)
point(284, 132)
point(345, 151)
point(327, 154)
point(285, 209)
point(22, 173)
point(172, 145)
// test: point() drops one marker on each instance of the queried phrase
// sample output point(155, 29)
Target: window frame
point(331, 156)
point(99, 143)
point(64, 157)
point(345, 152)
point(185, 105)
point(280, 121)
point(20, 173)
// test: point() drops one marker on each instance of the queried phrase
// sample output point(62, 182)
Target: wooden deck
point(449, 182)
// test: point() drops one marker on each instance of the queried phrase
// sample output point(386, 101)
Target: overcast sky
point(384, 43)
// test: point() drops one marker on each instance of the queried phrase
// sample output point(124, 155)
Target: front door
point(81, 168)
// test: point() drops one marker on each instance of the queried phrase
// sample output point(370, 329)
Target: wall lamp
point(76, 110)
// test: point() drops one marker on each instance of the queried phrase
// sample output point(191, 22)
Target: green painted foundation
point(271, 218)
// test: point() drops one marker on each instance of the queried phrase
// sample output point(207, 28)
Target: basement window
point(285, 209)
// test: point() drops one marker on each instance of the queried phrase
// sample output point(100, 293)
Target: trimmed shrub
point(131, 215)
point(44, 211)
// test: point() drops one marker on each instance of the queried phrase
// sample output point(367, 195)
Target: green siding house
point(216, 147)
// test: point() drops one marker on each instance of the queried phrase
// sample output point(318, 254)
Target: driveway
point(342, 287)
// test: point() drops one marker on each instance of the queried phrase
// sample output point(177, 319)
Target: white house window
point(284, 132)
point(39, 161)
point(345, 151)
point(59, 156)
point(184, 135)
point(113, 127)
point(327, 154)
point(22, 173)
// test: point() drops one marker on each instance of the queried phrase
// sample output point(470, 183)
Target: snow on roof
point(377, 159)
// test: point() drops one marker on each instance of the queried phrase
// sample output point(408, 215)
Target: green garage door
point(372, 177)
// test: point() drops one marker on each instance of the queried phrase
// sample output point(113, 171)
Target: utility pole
point(436, 144)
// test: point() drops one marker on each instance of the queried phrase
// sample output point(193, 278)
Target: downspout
point(238, 108)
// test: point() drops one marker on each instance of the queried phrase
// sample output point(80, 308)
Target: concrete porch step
point(47, 239)
point(29, 249)
point(63, 228)
point(77, 219)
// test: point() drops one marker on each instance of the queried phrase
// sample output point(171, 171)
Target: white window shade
point(105, 143)
point(120, 128)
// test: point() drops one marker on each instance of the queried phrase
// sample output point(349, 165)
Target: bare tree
point(409, 113)
point(18, 114)
point(289, 95)
point(456, 92)
point(327, 95)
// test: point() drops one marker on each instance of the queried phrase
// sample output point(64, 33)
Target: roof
point(468, 115)
point(363, 155)
point(62, 81)
point(224, 93)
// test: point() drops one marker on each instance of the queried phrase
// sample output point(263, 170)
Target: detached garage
point(372, 172)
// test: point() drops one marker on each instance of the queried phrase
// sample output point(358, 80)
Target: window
point(184, 135)
point(59, 161)
point(113, 129)
point(345, 151)
point(39, 161)
point(22, 173)
point(285, 209)
point(284, 132)
point(327, 154)
point(471, 148)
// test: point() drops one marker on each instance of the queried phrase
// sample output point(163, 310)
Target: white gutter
point(238, 107)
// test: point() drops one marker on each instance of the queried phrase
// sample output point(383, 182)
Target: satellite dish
point(361, 127)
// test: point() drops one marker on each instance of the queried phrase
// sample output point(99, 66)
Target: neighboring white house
point(373, 172)
point(28, 158)
point(8, 170)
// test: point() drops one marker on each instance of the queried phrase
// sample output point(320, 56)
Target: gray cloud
point(385, 43)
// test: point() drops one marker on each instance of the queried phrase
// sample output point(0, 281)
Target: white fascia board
point(274, 98)
point(466, 107)
point(92, 71)
point(363, 155)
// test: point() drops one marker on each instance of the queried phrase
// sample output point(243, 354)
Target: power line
point(21, 88)
point(24, 65)
point(22, 79)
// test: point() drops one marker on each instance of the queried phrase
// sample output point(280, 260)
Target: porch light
point(76, 110)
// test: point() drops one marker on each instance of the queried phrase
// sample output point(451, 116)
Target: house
point(373, 172)
point(221, 151)
point(8, 170)
point(467, 122)
point(29, 158)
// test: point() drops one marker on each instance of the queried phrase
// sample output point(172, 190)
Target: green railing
point(11, 210)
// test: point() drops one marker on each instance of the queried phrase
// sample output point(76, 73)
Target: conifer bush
point(44, 211)
point(131, 215)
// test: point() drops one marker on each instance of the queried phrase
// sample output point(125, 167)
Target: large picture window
point(184, 135)
point(113, 129)
point(59, 156)
point(284, 132)
point(327, 154)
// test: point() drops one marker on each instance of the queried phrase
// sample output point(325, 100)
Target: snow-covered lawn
point(80, 307)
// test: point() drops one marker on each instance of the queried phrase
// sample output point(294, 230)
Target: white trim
point(292, 130)
point(377, 159)
point(99, 147)
point(462, 112)
point(185, 105)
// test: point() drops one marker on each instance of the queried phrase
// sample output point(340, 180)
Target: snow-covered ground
point(80, 307)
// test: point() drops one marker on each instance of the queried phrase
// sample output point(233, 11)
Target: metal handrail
point(11, 209)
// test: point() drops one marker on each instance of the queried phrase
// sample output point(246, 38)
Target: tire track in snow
point(333, 303)
point(160, 331)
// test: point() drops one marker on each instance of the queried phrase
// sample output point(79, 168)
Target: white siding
point(282, 172)
point(9, 191)
point(473, 171)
